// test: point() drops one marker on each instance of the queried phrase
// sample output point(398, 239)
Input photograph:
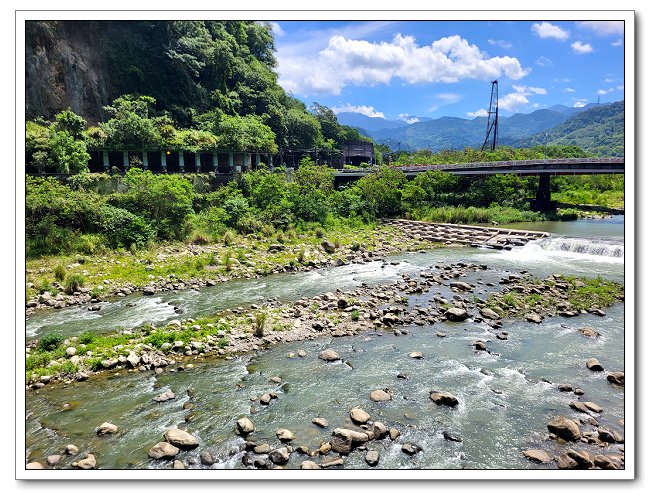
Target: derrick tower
point(493, 118)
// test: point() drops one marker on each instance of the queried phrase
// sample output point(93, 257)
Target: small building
point(358, 152)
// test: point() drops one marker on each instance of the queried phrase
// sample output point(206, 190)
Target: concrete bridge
point(542, 168)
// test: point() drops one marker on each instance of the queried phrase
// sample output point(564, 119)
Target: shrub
point(59, 273)
point(228, 238)
point(86, 338)
point(123, 229)
point(49, 342)
point(200, 239)
point(260, 323)
point(355, 246)
point(73, 283)
point(319, 232)
point(355, 315)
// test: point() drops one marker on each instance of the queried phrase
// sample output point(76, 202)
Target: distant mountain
point(360, 121)
point(598, 130)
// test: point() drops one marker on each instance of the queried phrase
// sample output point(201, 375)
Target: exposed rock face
point(564, 428)
point(181, 439)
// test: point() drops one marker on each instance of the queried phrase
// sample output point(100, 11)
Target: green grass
point(476, 215)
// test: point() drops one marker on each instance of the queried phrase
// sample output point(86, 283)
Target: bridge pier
point(542, 202)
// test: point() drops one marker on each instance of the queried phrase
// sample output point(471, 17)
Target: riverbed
point(506, 394)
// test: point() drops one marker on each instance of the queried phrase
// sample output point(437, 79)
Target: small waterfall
point(585, 247)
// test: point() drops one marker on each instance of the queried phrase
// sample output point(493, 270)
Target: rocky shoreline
point(581, 442)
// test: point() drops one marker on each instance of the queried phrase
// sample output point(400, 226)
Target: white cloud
point(405, 117)
point(580, 104)
point(358, 62)
point(277, 29)
point(610, 80)
point(536, 105)
point(581, 48)
point(605, 91)
point(480, 112)
point(504, 44)
point(523, 89)
point(369, 111)
point(568, 89)
point(519, 98)
point(548, 30)
point(620, 87)
point(617, 43)
point(543, 61)
point(561, 80)
point(604, 28)
point(449, 98)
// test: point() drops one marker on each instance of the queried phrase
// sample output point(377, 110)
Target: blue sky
point(444, 68)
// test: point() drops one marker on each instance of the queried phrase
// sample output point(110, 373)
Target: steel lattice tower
point(493, 117)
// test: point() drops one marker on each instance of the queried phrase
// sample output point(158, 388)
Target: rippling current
point(506, 396)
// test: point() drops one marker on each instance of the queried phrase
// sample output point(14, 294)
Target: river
point(506, 395)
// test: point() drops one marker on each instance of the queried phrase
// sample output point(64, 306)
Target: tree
point(381, 191)
point(66, 155)
point(130, 126)
point(245, 133)
point(72, 123)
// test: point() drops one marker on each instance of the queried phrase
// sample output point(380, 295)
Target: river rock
point(394, 433)
point(343, 440)
point(265, 399)
point(262, 449)
point(488, 313)
point(604, 462)
point(617, 378)
point(594, 365)
point(372, 458)
point(411, 448)
point(380, 395)
point(416, 355)
point(332, 462)
point(178, 465)
point(53, 459)
point(175, 322)
point(207, 458)
point(284, 435)
point(450, 436)
point(181, 439)
point(163, 450)
point(456, 314)
point(329, 355)
point(328, 246)
point(479, 345)
point(461, 285)
point(579, 406)
point(564, 428)
point(34, 466)
point(320, 422)
point(533, 318)
point(87, 463)
point(593, 407)
point(302, 353)
point(165, 396)
point(133, 360)
point(379, 430)
point(275, 380)
point(565, 387)
point(588, 332)
point(245, 426)
point(71, 449)
point(325, 448)
point(582, 458)
point(358, 416)
point(309, 465)
point(443, 398)
point(107, 428)
point(538, 456)
point(564, 461)
point(148, 290)
point(70, 351)
point(279, 456)
point(609, 436)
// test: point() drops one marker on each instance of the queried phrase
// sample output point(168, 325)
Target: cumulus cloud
point(277, 29)
point(358, 62)
point(504, 44)
point(548, 30)
point(581, 48)
point(568, 89)
point(519, 98)
point(617, 43)
point(620, 87)
point(523, 89)
point(580, 104)
point(604, 28)
point(369, 111)
point(605, 91)
point(543, 61)
point(405, 117)
point(480, 112)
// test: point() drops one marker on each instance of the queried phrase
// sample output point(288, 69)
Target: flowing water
point(506, 396)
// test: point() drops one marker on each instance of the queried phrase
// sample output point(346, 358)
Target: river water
point(505, 396)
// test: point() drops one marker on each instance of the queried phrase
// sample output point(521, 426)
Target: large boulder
point(372, 458)
point(564, 428)
point(582, 458)
point(181, 439)
point(617, 378)
point(456, 314)
point(609, 436)
point(488, 313)
point(411, 448)
point(245, 426)
point(328, 246)
point(87, 463)
point(359, 416)
point(329, 355)
point(320, 422)
point(380, 395)
point(284, 435)
point(309, 465)
point(538, 456)
point(588, 331)
point(594, 365)
point(163, 450)
point(443, 398)
point(379, 430)
point(279, 456)
point(533, 318)
point(344, 440)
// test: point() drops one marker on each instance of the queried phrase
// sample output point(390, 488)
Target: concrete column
point(258, 159)
point(105, 161)
point(163, 160)
point(181, 161)
point(197, 161)
point(290, 174)
point(231, 160)
point(270, 157)
point(215, 160)
point(125, 158)
point(245, 157)
point(145, 159)
point(543, 201)
point(238, 169)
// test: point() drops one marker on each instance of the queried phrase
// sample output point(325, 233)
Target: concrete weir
point(476, 236)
